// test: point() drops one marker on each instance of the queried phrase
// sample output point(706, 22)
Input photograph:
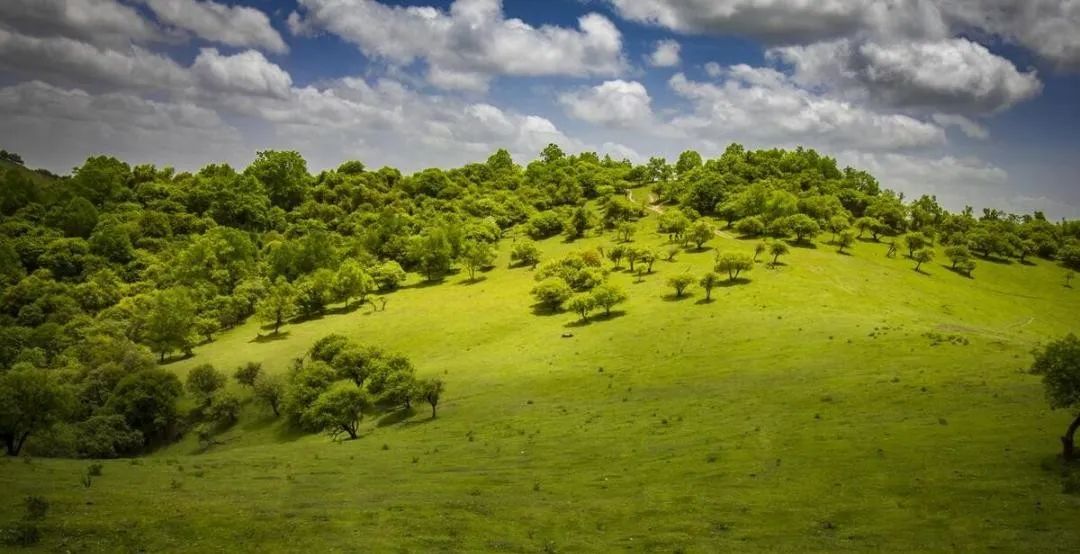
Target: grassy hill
point(832, 403)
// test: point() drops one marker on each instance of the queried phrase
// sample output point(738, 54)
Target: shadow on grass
point(473, 281)
point(996, 260)
point(173, 359)
point(597, 318)
point(543, 310)
point(677, 298)
point(921, 271)
point(260, 338)
point(261, 422)
point(958, 271)
point(736, 282)
point(802, 244)
point(705, 301)
point(843, 252)
point(426, 283)
point(289, 433)
point(395, 417)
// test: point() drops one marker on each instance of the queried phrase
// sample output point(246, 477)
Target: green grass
point(805, 410)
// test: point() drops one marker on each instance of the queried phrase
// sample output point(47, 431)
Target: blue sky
point(975, 101)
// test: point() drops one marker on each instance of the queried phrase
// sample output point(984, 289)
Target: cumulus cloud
point(954, 75)
point(966, 126)
point(665, 55)
point(616, 103)
point(71, 61)
point(1050, 28)
point(240, 26)
point(767, 107)
point(59, 127)
point(467, 45)
point(248, 72)
point(101, 22)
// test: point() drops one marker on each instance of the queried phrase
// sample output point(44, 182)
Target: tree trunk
point(9, 444)
point(1067, 443)
point(432, 410)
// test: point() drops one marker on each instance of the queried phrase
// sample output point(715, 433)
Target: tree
point(314, 292)
point(922, 256)
point(580, 221)
point(844, 240)
point(106, 436)
point(626, 231)
point(248, 374)
point(680, 283)
point(777, 249)
point(170, 321)
point(837, 224)
point(582, 304)
point(648, 257)
point(356, 363)
point(873, 225)
point(700, 233)
point(284, 174)
point(957, 254)
point(1059, 365)
point(430, 390)
point(803, 226)
point(279, 304)
point(759, 249)
point(607, 296)
point(203, 381)
point(708, 282)
point(616, 253)
point(31, 400)
point(1069, 276)
point(338, 410)
point(525, 252)
point(750, 226)
point(688, 160)
point(552, 292)
point(733, 263)
point(1026, 248)
point(388, 275)
point(916, 241)
point(351, 281)
point(147, 401)
point(477, 255)
point(270, 389)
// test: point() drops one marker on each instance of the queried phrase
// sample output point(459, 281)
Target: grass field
point(822, 406)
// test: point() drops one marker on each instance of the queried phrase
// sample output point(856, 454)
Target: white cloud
point(764, 106)
point(951, 75)
point(101, 22)
point(58, 128)
point(1050, 28)
point(966, 126)
point(247, 72)
point(240, 26)
point(71, 61)
point(465, 47)
point(665, 55)
point(616, 103)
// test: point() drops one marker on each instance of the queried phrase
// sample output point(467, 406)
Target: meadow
point(831, 403)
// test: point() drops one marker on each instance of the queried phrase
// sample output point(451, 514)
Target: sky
point(974, 101)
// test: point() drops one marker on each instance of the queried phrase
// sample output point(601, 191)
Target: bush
point(750, 226)
point(36, 508)
point(224, 409)
point(248, 373)
point(107, 436)
point(544, 224)
point(23, 533)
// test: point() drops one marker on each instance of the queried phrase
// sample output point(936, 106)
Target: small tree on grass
point(270, 389)
point(430, 390)
point(700, 233)
point(248, 373)
point(733, 263)
point(874, 225)
point(476, 256)
point(804, 227)
point(708, 282)
point(338, 410)
point(759, 249)
point(552, 293)
point(607, 296)
point(648, 257)
point(957, 254)
point(203, 381)
point(626, 231)
point(581, 304)
point(680, 283)
point(916, 241)
point(844, 240)
point(777, 249)
point(616, 254)
point(922, 256)
point(351, 281)
point(836, 225)
point(525, 252)
point(31, 400)
point(1059, 365)
point(278, 305)
point(672, 251)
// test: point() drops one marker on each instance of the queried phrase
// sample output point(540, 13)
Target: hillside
point(834, 402)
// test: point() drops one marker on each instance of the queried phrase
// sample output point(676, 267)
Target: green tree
point(525, 252)
point(680, 283)
point(270, 389)
point(580, 222)
point(552, 292)
point(147, 401)
point(709, 282)
point(476, 256)
point(607, 296)
point(314, 292)
point(803, 226)
point(338, 410)
point(203, 381)
point(352, 280)
point(388, 275)
point(626, 231)
point(777, 249)
point(31, 400)
point(700, 233)
point(750, 226)
point(873, 225)
point(1059, 365)
point(957, 254)
point(171, 321)
point(283, 174)
point(733, 263)
point(688, 161)
point(430, 391)
point(582, 304)
point(356, 363)
point(248, 374)
point(922, 256)
point(916, 241)
point(844, 240)
point(279, 304)
point(759, 249)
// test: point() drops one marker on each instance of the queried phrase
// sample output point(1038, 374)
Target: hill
point(832, 402)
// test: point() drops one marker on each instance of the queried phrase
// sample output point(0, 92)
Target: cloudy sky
point(976, 101)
